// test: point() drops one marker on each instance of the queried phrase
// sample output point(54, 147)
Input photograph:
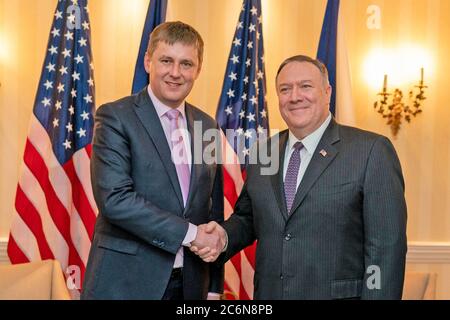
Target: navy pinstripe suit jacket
point(142, 219)
point(346, 235)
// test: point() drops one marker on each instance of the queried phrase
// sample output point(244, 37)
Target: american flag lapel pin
point(323, 153)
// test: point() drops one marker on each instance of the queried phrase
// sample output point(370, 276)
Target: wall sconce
point(392, 107)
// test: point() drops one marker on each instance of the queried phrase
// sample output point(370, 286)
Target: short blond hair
point(176, 31)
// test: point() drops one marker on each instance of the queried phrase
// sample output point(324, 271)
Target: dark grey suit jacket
point(348, 218)
point(142, 220)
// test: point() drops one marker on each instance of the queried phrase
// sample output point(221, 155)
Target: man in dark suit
point(331, 223)
point(151, 195)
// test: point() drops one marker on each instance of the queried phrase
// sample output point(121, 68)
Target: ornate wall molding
point(428, 252)
point(418, 252)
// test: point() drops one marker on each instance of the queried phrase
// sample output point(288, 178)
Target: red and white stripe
point(55, 211)
point(239, 271)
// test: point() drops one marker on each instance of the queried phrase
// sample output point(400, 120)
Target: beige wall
point(290, 27)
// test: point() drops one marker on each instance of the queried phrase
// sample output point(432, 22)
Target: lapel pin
point(323, 153)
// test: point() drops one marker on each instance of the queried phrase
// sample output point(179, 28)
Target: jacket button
point(288, 237)
point(281, 277)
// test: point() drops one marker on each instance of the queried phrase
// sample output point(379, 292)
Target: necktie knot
point(173, 114)
point(298, 146)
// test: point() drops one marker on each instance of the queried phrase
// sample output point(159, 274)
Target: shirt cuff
point(226, 242)
point(213, 296)
point(190, 235)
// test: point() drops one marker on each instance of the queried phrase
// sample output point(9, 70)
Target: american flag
point(242, 110)
point(55, 210)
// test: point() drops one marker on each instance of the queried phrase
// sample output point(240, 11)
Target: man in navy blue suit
point(331, 223)
point(151, 196)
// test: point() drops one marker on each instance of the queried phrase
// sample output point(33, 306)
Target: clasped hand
point(209, 242)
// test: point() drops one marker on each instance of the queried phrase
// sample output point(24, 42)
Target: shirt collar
point(311, 141)
point(161, 108)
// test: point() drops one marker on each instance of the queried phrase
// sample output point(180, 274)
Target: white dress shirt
point(310, 143)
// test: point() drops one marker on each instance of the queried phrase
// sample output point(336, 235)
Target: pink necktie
point(179, 155)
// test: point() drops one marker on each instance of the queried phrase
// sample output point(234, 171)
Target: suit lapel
point(319, 162)
point(147, 114)
point(277, 179)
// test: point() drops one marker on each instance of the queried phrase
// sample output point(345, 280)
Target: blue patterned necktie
point(290, 181)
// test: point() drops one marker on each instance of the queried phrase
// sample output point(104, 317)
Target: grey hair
point(302, 58)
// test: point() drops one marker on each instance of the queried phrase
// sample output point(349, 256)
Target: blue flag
point(156, 14)
point(328, 44)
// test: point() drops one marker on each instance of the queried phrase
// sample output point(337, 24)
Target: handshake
point(210, 241)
